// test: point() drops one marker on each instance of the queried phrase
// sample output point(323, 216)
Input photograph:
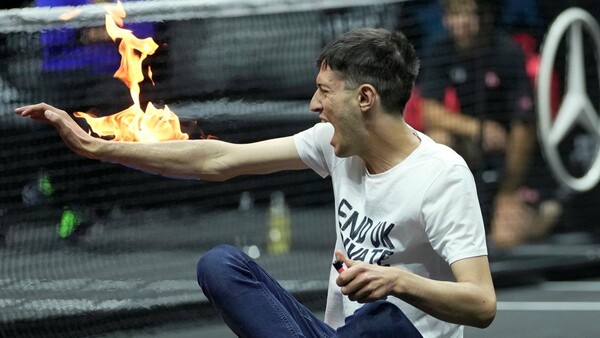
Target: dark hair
point(386, 60)
point(487, 10)
point(483, 6)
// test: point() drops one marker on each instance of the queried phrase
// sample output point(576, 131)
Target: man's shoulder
point(440, 154)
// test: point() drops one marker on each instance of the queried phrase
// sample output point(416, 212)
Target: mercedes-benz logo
point(576, 107)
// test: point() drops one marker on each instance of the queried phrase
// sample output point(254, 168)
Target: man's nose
point(315, 105)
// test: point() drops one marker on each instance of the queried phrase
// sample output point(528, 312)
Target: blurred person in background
point(477, 99)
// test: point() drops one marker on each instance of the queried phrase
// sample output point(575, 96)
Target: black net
point(242, 74)
point(88, 247)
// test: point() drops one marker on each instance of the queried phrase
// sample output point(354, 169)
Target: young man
point(409, 226)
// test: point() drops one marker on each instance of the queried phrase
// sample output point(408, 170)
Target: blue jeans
point(253, 304)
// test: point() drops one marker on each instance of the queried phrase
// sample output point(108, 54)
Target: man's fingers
point(356, 289)
point(35, 110)
point(23, 111)
point(339, 255)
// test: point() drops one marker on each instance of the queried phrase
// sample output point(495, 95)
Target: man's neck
point(390, 142)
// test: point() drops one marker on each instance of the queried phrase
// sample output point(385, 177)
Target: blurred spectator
point(477, 98)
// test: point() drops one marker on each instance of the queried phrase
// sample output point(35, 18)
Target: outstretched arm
point(203, 159)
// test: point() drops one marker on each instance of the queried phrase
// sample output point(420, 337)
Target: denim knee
point(214, 263)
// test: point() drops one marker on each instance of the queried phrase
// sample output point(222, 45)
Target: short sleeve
point(452, 215)
point(314, 149)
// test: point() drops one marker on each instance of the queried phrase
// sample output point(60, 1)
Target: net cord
point(33, 19)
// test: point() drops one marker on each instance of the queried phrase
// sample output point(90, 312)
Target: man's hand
point(74, 137)
point(363, 282)
point(494, 136)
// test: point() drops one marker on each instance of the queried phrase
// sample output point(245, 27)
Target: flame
point(133, 124)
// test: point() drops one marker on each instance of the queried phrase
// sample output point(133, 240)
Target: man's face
point(338, 106)
point(463, 25)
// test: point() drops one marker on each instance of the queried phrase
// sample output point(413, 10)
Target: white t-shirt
point(421, 215)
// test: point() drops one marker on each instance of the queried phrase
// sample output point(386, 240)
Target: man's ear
point(367, 95)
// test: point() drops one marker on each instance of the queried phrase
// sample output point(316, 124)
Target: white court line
point(571, 286)
point(548, 306)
